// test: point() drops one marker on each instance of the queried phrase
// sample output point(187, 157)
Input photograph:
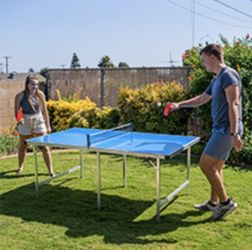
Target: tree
point(123, 65)
point(44, 72)
point(31, 70)
point(75, 63)
point(106, 62)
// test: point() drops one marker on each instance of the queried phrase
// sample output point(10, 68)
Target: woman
point(35, 120)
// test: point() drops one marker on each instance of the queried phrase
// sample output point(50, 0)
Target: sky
point(151, 33)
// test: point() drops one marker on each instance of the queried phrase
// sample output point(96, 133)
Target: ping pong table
point(120, 140)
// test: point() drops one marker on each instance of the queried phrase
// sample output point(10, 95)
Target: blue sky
point(45, 33)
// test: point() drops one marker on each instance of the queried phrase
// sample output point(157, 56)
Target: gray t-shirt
point(216, 89)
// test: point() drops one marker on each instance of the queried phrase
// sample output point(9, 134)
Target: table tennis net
point(110, 134)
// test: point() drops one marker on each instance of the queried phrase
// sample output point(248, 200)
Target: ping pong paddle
point(167, 109)
point(19, 116)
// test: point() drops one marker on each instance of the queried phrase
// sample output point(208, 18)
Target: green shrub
point(139, 107)
point(9, 142)
point(107, 117)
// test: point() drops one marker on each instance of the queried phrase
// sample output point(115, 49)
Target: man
point(225, 93)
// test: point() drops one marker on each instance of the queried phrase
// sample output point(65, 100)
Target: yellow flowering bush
point(66, 114)
point(62, 112)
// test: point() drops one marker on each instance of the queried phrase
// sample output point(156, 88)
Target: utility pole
point(193, 21)
point(102, 79)
point(1, 71)
point(7, 64)
point(171, 60)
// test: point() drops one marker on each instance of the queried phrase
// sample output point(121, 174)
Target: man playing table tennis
point(227, 128)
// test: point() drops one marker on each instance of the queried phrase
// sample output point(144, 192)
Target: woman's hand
point(49, 129)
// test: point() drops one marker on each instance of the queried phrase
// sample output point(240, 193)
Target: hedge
point(140, 107)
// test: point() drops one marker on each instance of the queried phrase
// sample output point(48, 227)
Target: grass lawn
point(65, 215)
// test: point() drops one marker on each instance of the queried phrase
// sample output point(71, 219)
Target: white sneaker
point(223, 210)
point(205, 207)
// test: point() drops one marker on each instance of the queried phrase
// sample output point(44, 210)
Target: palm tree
point(106, 62)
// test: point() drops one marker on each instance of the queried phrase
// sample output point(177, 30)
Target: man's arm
point(233, 99)
point(193, 102)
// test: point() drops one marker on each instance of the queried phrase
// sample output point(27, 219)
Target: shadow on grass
point(241, 168)
point(9, 175)
point(76, 210)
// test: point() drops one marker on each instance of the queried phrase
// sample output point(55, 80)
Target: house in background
point(10, 85)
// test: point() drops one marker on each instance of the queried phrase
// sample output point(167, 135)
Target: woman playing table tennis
point(33, 120)
point(225, 93)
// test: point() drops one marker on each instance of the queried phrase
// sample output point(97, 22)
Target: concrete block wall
point(78, 82)
point(8, 91)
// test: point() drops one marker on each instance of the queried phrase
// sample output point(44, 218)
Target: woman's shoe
point(52, 175)
point(19, 171)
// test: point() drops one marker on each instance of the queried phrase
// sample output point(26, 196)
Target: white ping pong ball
point(159, 104)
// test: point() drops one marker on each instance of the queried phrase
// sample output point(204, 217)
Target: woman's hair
point(29, 79)
point(213, 49)
point(39, 97)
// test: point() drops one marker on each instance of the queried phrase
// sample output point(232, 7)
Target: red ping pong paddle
point(19, 116)
point(167, 109)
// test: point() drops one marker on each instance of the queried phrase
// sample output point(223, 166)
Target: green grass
point(65, 215)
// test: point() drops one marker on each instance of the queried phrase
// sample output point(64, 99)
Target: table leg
point(158, 187)
point(98, 165)
point(34, 148)
point(188, 165)
point(124, 171)
point(81, 164)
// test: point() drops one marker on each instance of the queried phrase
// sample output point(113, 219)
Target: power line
point(223, 13)
point(232, 8)
point(193, 21)
point(210, 18)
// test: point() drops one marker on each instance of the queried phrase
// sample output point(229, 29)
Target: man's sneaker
point(205, 207)
point(223, 210)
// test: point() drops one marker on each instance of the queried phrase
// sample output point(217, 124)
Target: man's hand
point(174, 106)
point(236, 142)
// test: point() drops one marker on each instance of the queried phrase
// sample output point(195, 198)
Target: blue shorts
point(219, 144)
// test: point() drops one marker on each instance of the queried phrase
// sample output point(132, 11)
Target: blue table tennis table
point(120, 140)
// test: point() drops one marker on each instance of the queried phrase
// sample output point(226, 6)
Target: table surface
point(124, 142)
